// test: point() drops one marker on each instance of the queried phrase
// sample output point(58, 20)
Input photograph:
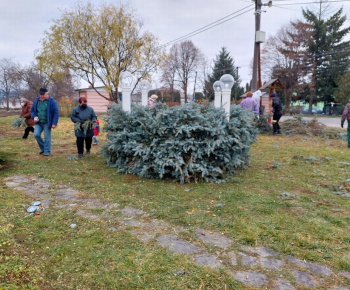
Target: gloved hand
point(342, 125)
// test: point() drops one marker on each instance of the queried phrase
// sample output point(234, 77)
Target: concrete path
point(330, 122)
point(252, 266)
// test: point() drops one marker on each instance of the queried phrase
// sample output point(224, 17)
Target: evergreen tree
point(223, 64)
point(187, 143)
point(329, 53)
point(342, 94)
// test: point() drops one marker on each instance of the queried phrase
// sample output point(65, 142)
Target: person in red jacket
point(26, 106)
point(96, 132)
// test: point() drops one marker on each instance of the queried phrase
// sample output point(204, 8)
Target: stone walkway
point(258, 267)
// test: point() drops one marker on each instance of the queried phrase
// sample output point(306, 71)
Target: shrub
point(299, 126)
point(262, 123)
point(65, 108)
point(188, 143)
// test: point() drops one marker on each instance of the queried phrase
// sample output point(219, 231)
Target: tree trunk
point(311, 101)
point(7, 101)
point(287, 99)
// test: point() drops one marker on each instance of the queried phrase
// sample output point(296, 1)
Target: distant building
point(98, 103)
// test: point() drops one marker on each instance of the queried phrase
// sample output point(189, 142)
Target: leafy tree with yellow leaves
point(99, 43)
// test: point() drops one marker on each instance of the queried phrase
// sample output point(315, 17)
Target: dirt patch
point(11, 132)
point(307, 191)
point(5, 113)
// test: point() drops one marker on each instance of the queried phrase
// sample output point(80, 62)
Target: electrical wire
point(209, 26)
point(278, 6)
point(318, 2)
point(332, 1)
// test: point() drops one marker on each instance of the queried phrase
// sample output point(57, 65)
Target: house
point(97, 102)
point(266, 101)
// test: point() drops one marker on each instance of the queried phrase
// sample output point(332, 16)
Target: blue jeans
point(45, 145)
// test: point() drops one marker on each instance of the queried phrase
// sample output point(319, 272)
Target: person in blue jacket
point(84, 115)
point(45, 114)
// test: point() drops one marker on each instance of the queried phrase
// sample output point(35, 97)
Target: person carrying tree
point(84, 119)
point(26, 106)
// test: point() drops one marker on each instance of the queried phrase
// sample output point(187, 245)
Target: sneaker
point(45, 154)
point(41, 152)
point(87, 151)
point(273, 133)
point(80, 155)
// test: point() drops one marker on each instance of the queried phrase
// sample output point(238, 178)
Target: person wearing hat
point(26, 106)
point(277, 114)
point(45, 114)
point(152, 101)
point(346, 116)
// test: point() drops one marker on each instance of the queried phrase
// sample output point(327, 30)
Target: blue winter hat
point(273, 95)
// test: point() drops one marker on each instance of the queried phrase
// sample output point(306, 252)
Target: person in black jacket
point(86, 117)
point(277, 114)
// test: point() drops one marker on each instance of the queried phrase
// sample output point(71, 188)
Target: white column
point(217, 99)
point(226, 102)
point(126, 99)
point(144, 97)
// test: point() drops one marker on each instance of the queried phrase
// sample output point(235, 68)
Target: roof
point(273, 84)
point(90, 88)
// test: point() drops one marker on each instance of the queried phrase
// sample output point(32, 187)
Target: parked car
point(314, 111)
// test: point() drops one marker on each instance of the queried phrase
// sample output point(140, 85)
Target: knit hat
point(42, 91)
point(273, 95)
point(23, 99)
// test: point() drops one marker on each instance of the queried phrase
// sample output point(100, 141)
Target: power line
point(209, 26)
point(333, 1)
point(278, 6)
point(318, 2)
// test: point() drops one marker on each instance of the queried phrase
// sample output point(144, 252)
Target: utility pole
point(236, 85)
point(258, 5)
point(259, 37)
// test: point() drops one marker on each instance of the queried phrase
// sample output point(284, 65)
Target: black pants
point(80, 144)
point(276, 117)
point(26, 132)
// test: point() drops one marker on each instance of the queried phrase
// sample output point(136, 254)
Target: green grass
point(44, 252)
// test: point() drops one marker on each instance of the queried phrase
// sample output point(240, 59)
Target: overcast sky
point(23, 22)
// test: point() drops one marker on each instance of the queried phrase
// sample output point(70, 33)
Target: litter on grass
point(35, 206)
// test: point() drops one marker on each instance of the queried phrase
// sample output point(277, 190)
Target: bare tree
point(9, 81)
point(32, 81)
point(285, 57)
point(183, 61)
point(62, 87)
